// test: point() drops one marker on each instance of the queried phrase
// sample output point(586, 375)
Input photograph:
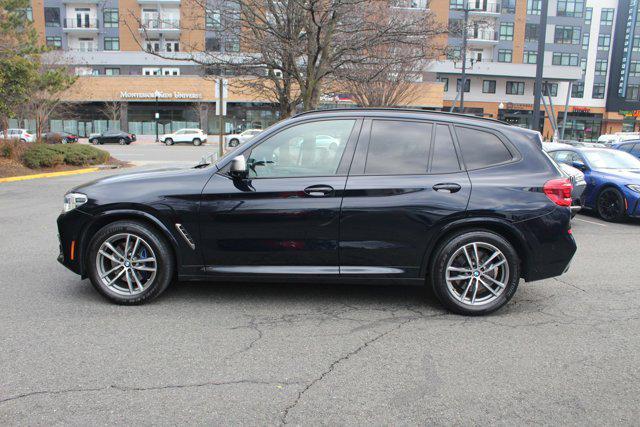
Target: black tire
point(93, 141)
point(234, 142)
point(165, 266)
point(122, 141)
point(22, 140)
point(610, 205)
point(448, 248)
point(168, 141)
point(197, 141)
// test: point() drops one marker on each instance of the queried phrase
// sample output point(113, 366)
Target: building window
point(634, 68)
point(54, 42)
point(567, 35)
point(585, 40)
point(467, 85)
point(213, 20)
point(455, 26)
point(530, 57)
point(148, 71)
point(212, 44)
point(86, 71)
point(534, 7)
point(444, 80)
point(111, 43)
point(27, 13)
point(574, 8)
point(601, 67)
point(454, 54)
point(110, 18)
point(570, 59)
point(112, 71)
point(604, 41)
point(583, 65)
point(52, 16)
point(531, 32)
point(505, 55)
point(606, 17)
point(508, 6)
point(153, 46)
point(633, 93)
point(488, 86)
point(598, 91)
point(171, 71)
point(550, 89)
point(515, 88)
point(171, 46)
point(636, 44)
point(506, 31)
point(588, 13)
point(577, 90)
point(456, 4)
point(232, 45)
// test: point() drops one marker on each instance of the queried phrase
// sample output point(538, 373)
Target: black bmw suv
point(466, 205)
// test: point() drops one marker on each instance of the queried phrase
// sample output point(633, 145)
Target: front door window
point(308, 149)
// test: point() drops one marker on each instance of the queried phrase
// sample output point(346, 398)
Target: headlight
point(634, 187)
point(73, 200)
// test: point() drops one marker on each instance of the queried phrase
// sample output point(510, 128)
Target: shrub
point(41, 155)
point(12, 149)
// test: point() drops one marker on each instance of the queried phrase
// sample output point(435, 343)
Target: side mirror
point(579, 165)
point(238, 167)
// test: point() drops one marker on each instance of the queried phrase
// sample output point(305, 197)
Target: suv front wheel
point(475, 272)
point(129, 262)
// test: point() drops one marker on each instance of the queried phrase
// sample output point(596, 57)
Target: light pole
point(157, 116)
point(542, 37)
point(463, 78)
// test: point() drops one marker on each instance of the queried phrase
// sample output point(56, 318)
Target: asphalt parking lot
point(564, 351)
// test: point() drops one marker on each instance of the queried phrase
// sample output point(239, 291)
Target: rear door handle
point(448, 186)
point(318, 190)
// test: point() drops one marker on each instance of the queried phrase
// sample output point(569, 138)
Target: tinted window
point(626, 147)
point(444, 153)
point(636, 150)
point(481, 149)
point(308, 149)
point(567, 157)
point(398, 148)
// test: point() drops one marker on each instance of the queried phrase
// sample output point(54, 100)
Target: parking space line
point(590, 222)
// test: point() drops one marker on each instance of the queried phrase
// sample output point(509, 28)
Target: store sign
point(580, 109)
point(630, 113)
point(628, 48)
point(159, 94)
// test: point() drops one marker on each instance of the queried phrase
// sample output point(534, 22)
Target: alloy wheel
point(126, 264)
point(609, 204)
point(477, 273)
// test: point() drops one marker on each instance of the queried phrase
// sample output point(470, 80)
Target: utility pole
point(542, 36)
point(157, 116)
point(463, 79)
point(221, 116)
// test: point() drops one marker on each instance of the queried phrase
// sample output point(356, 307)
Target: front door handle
point(447, 186)
point(318, 190)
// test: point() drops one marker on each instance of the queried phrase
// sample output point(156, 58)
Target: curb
point(48, 175)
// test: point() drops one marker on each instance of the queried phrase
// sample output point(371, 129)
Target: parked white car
point(614, 138)
point(235, 139)
point(20, 134)
point(193, 136)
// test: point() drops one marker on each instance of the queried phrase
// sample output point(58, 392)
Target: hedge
point(45, 156)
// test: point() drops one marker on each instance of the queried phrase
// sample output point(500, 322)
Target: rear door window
point(481, 149)
point(635, 150)
point(626, 147)
point(398, 148)
point(444, 157)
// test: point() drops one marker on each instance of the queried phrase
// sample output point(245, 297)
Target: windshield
point(611, 159)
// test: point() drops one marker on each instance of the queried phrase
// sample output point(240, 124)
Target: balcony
point(482, 37)
point(506, 69)
point(484, 8)
point(156, 26)
point(80, 26)
point(172, 2)
point(411, 4)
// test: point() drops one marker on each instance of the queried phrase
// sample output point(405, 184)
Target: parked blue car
point(632, 147)
point(613, 179)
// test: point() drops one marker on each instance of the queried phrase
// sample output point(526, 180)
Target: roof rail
point(408, 110)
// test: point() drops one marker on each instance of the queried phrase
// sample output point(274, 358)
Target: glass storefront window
point(581, 126)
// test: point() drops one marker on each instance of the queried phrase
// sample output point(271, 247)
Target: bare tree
point(293, 49)
point(112, 110)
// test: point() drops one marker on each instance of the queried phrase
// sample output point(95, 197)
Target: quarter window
point(481, 149)
point(398, 148)
point(308, 149)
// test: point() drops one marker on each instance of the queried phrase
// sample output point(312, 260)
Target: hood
point(133, 177)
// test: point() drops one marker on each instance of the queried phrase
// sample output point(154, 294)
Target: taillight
point(28, 135)
point(559, 191)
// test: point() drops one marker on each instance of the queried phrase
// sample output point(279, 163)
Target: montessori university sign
point(124, 94)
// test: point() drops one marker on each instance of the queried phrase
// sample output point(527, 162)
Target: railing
point(87, 48)
point(80, 24)
point(481, 7)
point(485, 35)
point(160, 24)
point(411, 4)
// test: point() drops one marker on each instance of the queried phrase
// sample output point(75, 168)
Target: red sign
point(581, 109)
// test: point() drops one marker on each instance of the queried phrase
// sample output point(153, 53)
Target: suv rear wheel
point(475, 272)
point(197, 141)
point(129, 262)
point(234, 142)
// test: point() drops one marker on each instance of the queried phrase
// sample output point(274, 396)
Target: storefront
point(581, 125)
point(519, 117)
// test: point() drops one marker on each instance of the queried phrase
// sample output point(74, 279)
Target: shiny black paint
point(363, 228)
